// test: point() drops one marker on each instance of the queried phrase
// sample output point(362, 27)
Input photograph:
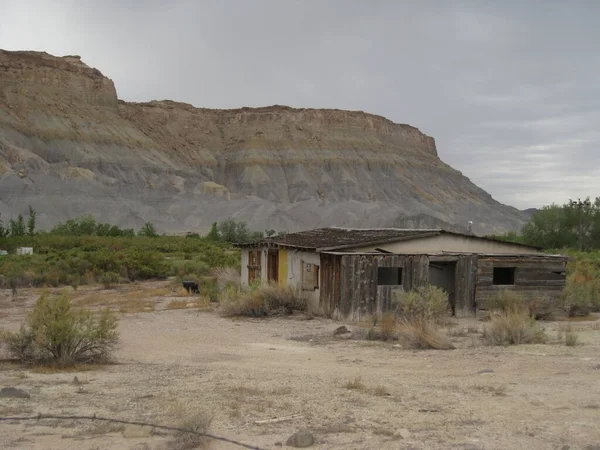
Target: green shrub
point(58, 258)
point(429, 303)
point(513, 328)
point(578, 296)
point(507, 301)
point(55, 333)
point(108, 279)
point(538, 305)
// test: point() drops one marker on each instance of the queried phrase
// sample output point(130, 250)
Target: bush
point(570, 339)
point(513, 328)
point(426, 303)
point(507, 301)
point(57, 334)
point(423, 334)
point(261, 301)
point(578, 296)
point(108, 279)
point(226, 276)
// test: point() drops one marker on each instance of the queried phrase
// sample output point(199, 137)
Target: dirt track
point(176, 363)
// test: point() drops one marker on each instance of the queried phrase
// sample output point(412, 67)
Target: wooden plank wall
point(330, 290)
point(464, 285)
point(384, 294)
point(532, 275)
point(359, 293)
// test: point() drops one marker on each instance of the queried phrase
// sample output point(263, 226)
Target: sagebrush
point(513, 328)
point(428, 303)
point(260, 301)
point(56, 333)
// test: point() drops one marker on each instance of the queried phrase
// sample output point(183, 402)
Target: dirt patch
point(242, 374)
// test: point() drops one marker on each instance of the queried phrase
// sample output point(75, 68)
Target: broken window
point(310, 277)
point(389, 276)
point(504, 276)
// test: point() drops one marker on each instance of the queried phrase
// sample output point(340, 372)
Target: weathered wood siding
point(465, 282)
point(350, 290)
point(542, 274)
point(330, 292)
point(416, 272)
point(359, 293)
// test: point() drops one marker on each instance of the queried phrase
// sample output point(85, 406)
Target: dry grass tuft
point(355, 384)
point(498, 391)
point(196, 424)
point(148, 293)
point(226, 276)
point(513, 328)
point(380, 391)
point(95, 300)
point(388, 326)
point(262, 301)
point(422, 334)
point(242, 390)
point(177, 304)
point(136, 306)
point(571, 339)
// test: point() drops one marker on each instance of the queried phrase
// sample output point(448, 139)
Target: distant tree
point(17, 227)
point(148, 230)
point(270, 233)
point(31, 222)
point(213, 234)
point(4, 232)
point(228, 230)
point(576, 224)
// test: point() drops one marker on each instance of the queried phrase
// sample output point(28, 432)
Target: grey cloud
point(510, 90)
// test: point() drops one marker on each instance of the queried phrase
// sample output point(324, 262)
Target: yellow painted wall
point(283, 267)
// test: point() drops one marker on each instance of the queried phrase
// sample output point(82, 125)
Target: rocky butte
point(69, 147)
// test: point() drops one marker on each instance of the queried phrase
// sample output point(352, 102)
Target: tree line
point(229, 231)
point(573, 225)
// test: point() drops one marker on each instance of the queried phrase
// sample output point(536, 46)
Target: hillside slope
point(68, 147)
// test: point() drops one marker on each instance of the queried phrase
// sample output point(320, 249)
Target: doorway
point(273, 266)
point(442, 275)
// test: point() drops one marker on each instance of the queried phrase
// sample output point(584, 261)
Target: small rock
point(301, 439)
point(137, 431)
point(397, 346)
point(402, 433)
point(486, 371)
point(341, 330)
point(11, 392)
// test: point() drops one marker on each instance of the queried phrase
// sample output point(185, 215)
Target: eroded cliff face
point(69, 147)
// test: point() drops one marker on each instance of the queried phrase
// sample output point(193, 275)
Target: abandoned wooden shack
point(348, 273)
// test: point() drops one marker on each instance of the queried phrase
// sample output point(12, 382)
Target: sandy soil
point(174, 364)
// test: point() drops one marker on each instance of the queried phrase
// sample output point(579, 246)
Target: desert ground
point(174, 366)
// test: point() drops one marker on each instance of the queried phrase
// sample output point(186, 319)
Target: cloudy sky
point(509, 89)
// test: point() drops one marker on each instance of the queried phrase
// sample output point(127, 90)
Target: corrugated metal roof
point(335, 238)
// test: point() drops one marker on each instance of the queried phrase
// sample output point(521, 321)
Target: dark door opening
point(273, 266)
point(442, 275)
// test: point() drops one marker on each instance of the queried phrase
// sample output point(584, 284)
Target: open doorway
point(443, 274)
point(273, 266)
